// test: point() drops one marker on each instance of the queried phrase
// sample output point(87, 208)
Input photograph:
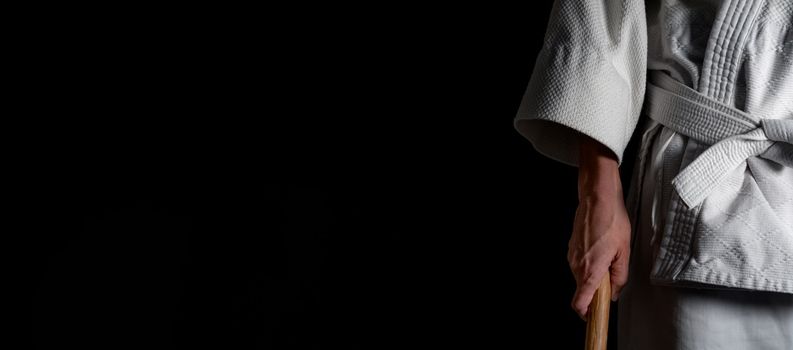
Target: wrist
point(598, 171)
point(594, 196)
point(599, 181)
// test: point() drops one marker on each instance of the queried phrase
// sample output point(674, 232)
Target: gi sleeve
point(589, 78)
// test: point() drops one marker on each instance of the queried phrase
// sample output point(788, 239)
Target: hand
point(600, 242)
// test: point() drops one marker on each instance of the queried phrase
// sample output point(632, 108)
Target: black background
point(336, 177)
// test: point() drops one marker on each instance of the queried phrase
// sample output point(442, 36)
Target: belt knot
point(733, 135)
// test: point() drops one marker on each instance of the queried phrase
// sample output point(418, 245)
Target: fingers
point(586, 290)
point(619, 274)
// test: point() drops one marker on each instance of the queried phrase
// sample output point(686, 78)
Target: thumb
point(618, 274)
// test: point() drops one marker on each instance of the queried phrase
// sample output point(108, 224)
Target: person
point(700, 253)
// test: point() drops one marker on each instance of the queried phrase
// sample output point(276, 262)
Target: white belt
point(733, 135)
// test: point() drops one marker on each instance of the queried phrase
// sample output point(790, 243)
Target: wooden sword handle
point(597, 326)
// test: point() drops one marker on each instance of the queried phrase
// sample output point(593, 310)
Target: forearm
point(598, 171)
point(600, 241)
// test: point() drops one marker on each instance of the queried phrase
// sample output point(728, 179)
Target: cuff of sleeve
point(570, 93)
point(555, 140)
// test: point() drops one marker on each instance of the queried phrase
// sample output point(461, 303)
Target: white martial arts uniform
point(712, 197)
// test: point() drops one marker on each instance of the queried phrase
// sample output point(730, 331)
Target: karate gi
point(712, 198)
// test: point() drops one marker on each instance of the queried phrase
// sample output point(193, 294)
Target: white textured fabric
point(731, 229)
point(588, 78)
point(656, 317)
point(733, 135)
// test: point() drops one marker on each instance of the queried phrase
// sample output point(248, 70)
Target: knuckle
point(576, 304)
